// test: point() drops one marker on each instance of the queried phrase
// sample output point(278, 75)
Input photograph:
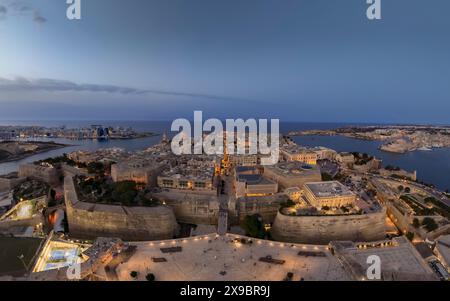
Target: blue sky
point(297, 60)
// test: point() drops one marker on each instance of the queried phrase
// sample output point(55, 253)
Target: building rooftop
point(243, 169)
point(12, 249)
point(192, 168)
point(254, 179)
point(399, 259)
point(424, 250)
point(139, 163)
point(292, 190)
point(58, 254)
point(293, 168)
point(328, 189)
point(295, 149)
point(443, 246)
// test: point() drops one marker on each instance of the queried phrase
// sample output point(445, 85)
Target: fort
point(325, 228)
point(265, 206)
point(197, 207)
point(45, 173)
point(89, 220)
point(9, 181)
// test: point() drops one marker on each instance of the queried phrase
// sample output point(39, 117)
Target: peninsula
point(94, 131)
point(395, 138)
point(17, 150)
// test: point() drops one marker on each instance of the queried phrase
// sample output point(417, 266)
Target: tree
point(344, 209)
point(410, 236)
point(431, 200)
point(96, 167)
point(430, 224)
point(124, 192)
point(134, 274)
point(400, 187)
point(150, 277)
point(407, 190)
point(149, 202)
point(326, 177)
point(51, 203)
point(253, 226)
point(416, 223)
point(287, 204)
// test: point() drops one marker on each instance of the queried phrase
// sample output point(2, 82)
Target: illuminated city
point(225, 148)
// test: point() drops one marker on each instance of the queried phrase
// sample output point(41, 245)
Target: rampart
point(325, 228)
point(89, 220)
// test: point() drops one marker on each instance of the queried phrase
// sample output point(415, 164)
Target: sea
point(432, 166)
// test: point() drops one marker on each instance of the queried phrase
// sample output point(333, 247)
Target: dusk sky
point(297, 60)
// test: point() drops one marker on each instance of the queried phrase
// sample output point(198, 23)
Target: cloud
point(24, 8)
point(3, 12)
point(21, 8)
point(22, 84)
point(38, 18)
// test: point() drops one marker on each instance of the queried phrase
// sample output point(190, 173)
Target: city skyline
point(299, 61)
point(225, 147)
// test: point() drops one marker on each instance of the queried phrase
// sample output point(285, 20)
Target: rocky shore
point(17, 150)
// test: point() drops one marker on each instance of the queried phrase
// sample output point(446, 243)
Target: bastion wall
point(323, 229)
point(88, 220)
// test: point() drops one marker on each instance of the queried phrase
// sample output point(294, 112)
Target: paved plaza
point(230, 258)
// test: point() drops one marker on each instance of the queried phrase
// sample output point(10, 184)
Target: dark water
point(432, 166)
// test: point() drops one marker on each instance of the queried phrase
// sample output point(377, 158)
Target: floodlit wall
point(88, 220)
point(323, 229)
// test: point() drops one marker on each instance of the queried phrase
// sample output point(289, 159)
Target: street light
point(21, 257)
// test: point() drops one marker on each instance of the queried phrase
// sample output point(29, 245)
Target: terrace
point(25, 210)
point(231, 257)
point(59, 254)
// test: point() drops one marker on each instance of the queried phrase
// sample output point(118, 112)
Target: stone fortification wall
point(88, 220)
point(323, 229)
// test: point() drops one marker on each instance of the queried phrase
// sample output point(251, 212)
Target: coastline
point(395, 139)
point(137, 136)
point(431, 166)
point(52, 146)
